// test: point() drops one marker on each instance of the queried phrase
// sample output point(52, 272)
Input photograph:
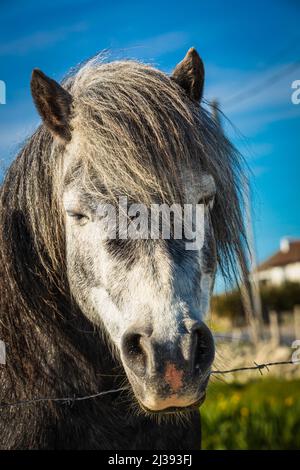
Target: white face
point(145, 291)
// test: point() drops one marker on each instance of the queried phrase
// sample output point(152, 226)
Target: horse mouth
point(176, 409)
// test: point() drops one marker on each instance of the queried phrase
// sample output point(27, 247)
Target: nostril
point(133, 351)
point(132, 344)
point(200, 349)
point(203, 351)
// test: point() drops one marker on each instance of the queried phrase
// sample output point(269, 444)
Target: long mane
point(136, 130)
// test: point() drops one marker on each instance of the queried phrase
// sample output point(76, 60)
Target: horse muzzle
point(168, 375)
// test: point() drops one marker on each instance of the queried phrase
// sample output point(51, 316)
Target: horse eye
point(78, 217)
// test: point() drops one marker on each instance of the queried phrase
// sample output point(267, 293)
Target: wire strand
point(63, 400)
point(255, 367)
point(69, 400)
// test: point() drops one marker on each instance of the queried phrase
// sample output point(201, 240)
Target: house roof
point(287, 255)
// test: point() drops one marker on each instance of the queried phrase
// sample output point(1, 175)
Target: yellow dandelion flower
point(244, 411)
point(222, 405)
point(235, 398)
point(289, 401)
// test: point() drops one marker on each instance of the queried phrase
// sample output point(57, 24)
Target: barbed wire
point(63, 400)
point(69, 400)
point(256, 366)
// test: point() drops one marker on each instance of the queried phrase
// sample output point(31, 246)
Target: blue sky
point(250, 49)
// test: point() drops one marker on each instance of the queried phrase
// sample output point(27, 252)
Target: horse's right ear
point(53, 103)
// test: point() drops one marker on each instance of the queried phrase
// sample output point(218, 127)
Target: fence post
point(297, 321)
point(252, 321)
point(274, 328)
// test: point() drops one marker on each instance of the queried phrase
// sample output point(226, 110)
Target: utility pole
point(214, 104)
point(254, 281)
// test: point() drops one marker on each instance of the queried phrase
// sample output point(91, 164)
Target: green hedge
point(278, 298)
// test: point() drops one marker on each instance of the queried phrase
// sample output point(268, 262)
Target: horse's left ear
point(53, 103)
point(189, 74)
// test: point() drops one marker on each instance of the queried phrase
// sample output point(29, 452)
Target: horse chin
point(167, 405)
point(171, 410)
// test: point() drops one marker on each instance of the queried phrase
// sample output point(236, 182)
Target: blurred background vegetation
point(280, 298)
point(261, 414)
point(246, 410)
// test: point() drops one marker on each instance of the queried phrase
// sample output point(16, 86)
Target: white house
point(283, 266)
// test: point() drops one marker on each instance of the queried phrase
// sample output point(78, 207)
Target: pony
point(81, 313)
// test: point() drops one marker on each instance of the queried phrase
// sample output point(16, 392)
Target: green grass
point(264, 414)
